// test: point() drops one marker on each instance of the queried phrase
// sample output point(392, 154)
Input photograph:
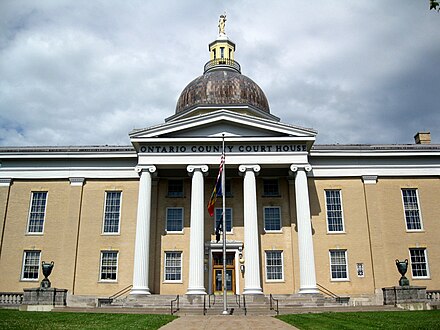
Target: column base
point(199, 291)
point(309, 290)
point(140, 291)
point(252, 291)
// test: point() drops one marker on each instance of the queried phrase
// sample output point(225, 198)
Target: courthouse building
point(299, 216)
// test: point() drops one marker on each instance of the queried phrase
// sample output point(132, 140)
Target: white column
point(307, 275)
point(196, 283)
point(252, 283)
point(142, 243)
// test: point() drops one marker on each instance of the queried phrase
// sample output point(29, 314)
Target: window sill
point(108, 281)
point(168, 232)
point(269, 196)
point(34, 234)
point(29, 280)
point(422, 278)
point(339, 280)
point(336, 232)
point(275, 281)
point(172, 282)
point(273, 231)
point(110, 234)
point(415, 230)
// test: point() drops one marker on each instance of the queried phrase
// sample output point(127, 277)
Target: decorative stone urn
point(47, 270)
point(402, 267)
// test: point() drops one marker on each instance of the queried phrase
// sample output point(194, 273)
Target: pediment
point(222, 122)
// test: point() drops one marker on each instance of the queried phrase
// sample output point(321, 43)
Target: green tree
point(434, 4)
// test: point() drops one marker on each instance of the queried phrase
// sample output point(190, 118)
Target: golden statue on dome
point(221, 24)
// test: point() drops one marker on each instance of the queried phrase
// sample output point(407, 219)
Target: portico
point(284, 147)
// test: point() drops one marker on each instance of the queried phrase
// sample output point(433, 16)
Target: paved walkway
point(226, 322)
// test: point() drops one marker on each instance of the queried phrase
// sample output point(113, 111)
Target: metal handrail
point(327, 291)
point(271, 298)
point(222, 62)
point(177, 304)
point(237, 300)
point(244, 305)
point(209, 300)
point(121, 292)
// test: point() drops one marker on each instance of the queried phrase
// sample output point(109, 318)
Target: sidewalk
point(226, 322)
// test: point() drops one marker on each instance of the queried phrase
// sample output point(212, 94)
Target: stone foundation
point(37, 299)
point(396, 295)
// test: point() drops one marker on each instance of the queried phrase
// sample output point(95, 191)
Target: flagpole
point(225, 302)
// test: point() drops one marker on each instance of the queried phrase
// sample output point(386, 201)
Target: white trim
point(164, 280)
point(282, 266)
point(217, 116)
point(264, 220)
point(166, 220)
point(347, 279)
point(30, 209)
point(233, 246)
point(68, 172)
point(120, 212)
point(22, 279)
point(342, 212)
point(100, 280)
point(425, 252)
point(418, 209)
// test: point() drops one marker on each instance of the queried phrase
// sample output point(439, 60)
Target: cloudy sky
point(88, 72)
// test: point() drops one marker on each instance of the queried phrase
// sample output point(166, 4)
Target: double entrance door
point(217, 272)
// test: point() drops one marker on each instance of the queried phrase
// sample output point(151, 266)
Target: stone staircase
point(236, 305)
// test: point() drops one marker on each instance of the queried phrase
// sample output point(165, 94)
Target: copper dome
point(222, 88)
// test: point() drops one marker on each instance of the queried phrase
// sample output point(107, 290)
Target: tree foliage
point(434, 5)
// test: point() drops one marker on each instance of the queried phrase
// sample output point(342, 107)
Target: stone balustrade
point(11, 298)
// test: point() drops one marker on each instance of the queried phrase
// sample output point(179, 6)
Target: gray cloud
point(88, 72)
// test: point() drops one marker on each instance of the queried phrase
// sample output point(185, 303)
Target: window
point(411, 206)
point(31, 265)
point(228, 191)
point(112, 211)
point(274, 266)
point(419, 263)
point(219, 217)
point(272, 218)
point(173, 266)
point(109, 265)
point(37, 212)
point(175, 188)
point(333, 204)
point(270, 187)
point(174, 219)
point(338, 265)
point(222, 52)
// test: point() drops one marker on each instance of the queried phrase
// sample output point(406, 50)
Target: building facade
point(299, 216)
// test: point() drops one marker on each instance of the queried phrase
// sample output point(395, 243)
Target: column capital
point(76, 182)
point(193, 168)
point(5, 182)
point(298, 167)
point(249, 167)
point(369, 179)
point(149, 168)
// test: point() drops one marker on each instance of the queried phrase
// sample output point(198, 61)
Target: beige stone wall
point(372, 213)
point(54, 243)
point(92, 241)
point(354, 239)
point(391, 240)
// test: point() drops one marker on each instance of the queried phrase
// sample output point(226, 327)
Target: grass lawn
point(365, 320)
point(13, 319)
